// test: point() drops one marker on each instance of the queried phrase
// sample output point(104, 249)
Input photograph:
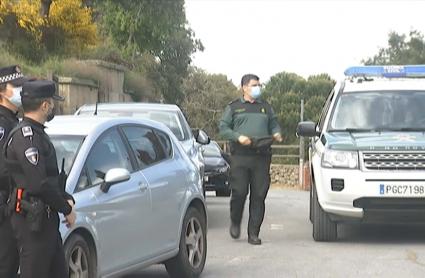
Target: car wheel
point(80, 262)
point(190, 260)
point(324, 229)
point(223, 193)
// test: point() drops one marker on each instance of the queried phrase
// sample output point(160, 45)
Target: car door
point(123, 214)
point(166, 179)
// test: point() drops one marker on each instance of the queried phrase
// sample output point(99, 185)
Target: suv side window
point(107, 153)
point(145, 144)
point(325, 110)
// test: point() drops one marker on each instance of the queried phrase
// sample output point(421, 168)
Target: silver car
point(138, 197)
point(168, 114)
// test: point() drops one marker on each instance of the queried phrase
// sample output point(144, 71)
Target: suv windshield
point(382, 110)
point(169, 118)
point(67, 147)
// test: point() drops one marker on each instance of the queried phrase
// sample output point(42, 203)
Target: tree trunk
point(45, 8)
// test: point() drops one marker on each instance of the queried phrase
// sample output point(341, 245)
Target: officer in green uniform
point(250, 125)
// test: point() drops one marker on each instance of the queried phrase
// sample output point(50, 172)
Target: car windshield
point(67, 147)
point(383, 110)
point(211, 150)
point(169, 118)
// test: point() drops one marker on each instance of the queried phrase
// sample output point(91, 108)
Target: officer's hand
point(277, 137)
point(70, 219)
point(71, 203)
point(244, 140)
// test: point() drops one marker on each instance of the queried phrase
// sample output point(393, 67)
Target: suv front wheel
point(324, 229)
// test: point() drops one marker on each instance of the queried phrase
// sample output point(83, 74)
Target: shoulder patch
point(27, 131)
point(2, 132)
point(32, 155)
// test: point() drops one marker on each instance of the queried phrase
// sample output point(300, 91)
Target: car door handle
point(142, 186)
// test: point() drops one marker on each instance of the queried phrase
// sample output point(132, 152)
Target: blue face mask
point(15, 99)
point(255, 92)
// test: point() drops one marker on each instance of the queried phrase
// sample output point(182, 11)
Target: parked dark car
point(216, 169)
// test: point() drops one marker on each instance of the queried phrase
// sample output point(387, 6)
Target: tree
point(206, 97)
point(68, 30)
point(400, 51)
point(284, 91)
point(157, 28)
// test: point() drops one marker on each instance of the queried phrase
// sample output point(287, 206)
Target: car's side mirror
point(114, 176)
point(307, 129)
point(201, 137)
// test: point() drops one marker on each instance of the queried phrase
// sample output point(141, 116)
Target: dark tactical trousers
point(9, 252)
point(250, 170)
point(42, 253)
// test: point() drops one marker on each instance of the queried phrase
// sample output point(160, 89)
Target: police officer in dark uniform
point(30, 159)
point(251, 126)
point(11, 81)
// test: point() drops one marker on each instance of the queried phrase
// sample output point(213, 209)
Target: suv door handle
point(142, 186)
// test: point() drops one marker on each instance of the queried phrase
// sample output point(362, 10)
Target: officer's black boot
point(254, 240)
point(235, 231)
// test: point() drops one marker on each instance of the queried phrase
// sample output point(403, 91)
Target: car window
point(396, 109)
point(325, 110)
point(145, 144)
point(107, 153)
point(171, 119)
point(211, 150)
point(166, 143)
point(66, 147)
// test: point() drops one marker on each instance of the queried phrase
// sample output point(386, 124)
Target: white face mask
point(15, 99)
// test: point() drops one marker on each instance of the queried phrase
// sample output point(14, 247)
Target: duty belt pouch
point(34, 210)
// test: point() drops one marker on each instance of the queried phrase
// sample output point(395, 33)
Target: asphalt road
point(288, 249)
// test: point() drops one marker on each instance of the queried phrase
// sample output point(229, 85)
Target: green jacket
point(242, 117)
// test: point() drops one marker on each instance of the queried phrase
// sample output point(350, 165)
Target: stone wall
point(108, 88)
point(288, 175)
point(76, 92)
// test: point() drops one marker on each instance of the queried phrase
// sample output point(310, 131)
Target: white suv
point(367, 150)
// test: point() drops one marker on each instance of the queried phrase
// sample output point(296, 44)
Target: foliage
point(206, 96)
point(78, 32)
point(158, 28)
point(67, 31)
point(400, 50)
point(284, 91)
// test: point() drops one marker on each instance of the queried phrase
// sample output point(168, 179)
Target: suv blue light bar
point(386, 71)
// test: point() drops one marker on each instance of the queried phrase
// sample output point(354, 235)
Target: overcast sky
point(265, 37)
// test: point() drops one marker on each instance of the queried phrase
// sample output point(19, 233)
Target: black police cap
point(40, 89)
point(12, 75)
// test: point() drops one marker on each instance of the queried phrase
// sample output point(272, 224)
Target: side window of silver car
point(107, 153)
point(166, 143)
point(145, 144)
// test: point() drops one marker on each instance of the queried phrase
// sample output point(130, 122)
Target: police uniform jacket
point(31, 161)
point(241, 117)
point(8, 121)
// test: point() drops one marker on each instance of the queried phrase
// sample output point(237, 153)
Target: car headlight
point(340, 159)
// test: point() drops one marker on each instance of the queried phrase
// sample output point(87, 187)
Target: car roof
point(131, 105)
point(84, 125)
point(385, 84)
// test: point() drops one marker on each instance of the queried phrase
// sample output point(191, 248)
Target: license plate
point(402, 190)
point(206, 178)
